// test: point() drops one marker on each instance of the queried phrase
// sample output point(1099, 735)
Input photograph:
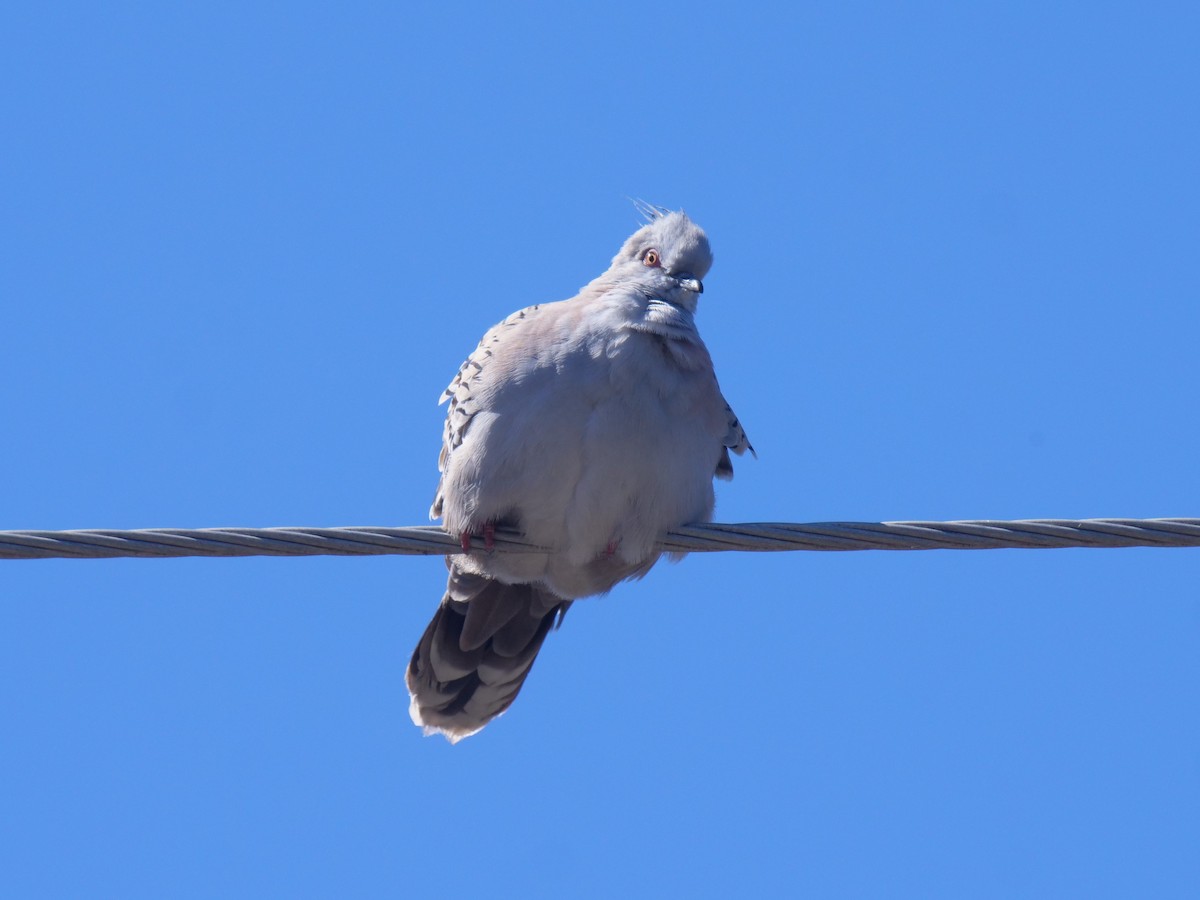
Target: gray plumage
point(591, 425)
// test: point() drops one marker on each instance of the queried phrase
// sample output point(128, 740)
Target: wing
point(735, 440)
point(459, 392)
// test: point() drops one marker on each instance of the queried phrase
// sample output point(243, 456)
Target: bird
point(589, 427)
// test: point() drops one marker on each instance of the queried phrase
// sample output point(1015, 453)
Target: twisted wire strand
point(709, 537)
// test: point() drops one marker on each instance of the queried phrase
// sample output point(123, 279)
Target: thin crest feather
point(649, 211)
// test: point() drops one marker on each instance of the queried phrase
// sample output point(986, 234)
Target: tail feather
point(443, 646)
point(522, 632)
point(477, 651)
point(487, 614)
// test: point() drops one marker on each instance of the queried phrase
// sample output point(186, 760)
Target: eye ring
point(650, 258)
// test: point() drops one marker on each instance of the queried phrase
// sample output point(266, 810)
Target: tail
point(476, 653)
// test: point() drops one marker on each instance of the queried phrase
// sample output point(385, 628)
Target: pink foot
point(610, 549)
point(489, 538)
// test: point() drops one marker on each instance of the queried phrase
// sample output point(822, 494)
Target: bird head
point(666, 258)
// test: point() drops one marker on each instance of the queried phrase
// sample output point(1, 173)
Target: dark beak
point(691, 282)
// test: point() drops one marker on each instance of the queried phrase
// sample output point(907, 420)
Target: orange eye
point(651, 258)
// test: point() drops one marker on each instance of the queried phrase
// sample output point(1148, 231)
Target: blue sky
point(246, 246)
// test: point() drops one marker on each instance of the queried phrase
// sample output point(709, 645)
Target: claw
point(464, 541)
